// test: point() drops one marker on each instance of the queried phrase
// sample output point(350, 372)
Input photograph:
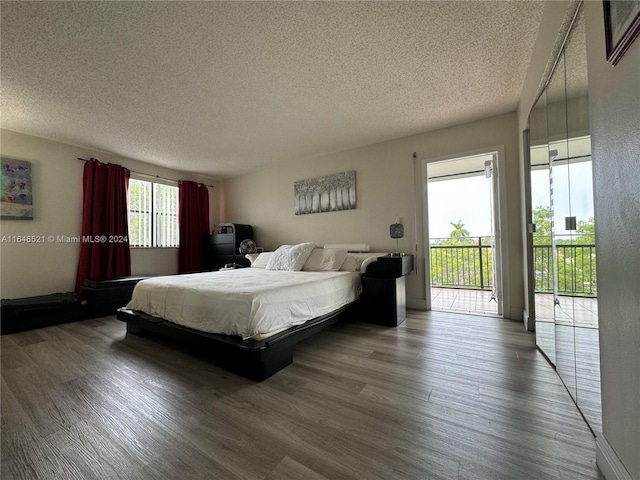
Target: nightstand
point(384, 300)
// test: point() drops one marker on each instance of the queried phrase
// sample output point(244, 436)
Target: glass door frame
point(529, 319)
point(501, 261)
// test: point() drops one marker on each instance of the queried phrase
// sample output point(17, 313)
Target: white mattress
point(247, 301)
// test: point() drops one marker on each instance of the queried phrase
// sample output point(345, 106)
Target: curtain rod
point(152, 176)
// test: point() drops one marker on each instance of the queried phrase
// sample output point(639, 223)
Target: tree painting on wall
point(621, 27)
point(16, 201)
point(325, 194)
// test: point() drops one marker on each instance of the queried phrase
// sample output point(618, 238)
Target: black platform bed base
point(253, 359)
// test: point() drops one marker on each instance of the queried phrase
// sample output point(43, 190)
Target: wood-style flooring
point(442, 396)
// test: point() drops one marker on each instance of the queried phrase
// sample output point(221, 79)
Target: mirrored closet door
point(564, 251)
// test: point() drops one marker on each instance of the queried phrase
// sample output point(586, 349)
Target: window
point(153, 214)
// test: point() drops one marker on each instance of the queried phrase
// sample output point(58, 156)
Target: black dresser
point(222, 248)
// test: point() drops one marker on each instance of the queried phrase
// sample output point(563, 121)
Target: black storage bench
point(105, 297)
point(34, 312)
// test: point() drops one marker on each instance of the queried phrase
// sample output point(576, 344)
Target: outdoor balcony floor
point(583, 312)
point(460, 300)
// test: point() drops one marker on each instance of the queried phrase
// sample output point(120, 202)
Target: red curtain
point(193, 217)
point(104, 250)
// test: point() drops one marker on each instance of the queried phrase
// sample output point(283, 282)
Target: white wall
point(49, 267)
point(386, 189)
point(614, 106)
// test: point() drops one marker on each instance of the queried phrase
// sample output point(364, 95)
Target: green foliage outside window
point(462, 261)
point(467, 262)
point(575, 257)
point(153, 214)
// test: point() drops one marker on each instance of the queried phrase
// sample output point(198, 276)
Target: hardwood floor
point(442, 396)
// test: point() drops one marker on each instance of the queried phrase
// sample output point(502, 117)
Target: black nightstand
point(384, 299)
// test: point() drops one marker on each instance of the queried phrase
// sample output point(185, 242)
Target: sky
point(469, 199)
point(573, 192)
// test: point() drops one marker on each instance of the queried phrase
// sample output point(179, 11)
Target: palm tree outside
point(459, 230)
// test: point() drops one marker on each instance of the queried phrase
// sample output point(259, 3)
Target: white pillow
point(261, 260)
point(351, 264)
point(325, 260)
point(359, 261)
point(290, 257)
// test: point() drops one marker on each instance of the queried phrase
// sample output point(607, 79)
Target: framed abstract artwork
point(17, 201)
point(621, 27)
point(325, 194)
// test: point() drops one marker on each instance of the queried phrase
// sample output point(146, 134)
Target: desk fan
point(248, 246)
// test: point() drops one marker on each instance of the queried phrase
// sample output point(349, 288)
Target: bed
point(251, 318)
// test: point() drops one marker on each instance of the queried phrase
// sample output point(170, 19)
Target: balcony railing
point(576, 269)
point(462, 263)
point(468, 263)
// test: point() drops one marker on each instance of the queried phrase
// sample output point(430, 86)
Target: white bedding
point(246, 301)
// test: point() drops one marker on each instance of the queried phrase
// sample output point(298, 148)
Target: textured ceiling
point(223, 88)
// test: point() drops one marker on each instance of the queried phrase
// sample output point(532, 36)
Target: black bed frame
point(253, 359)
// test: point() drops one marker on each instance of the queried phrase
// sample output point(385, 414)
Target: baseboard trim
point(416, 303)
point(515, 313)
point(608, 461)
point(529, 324)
